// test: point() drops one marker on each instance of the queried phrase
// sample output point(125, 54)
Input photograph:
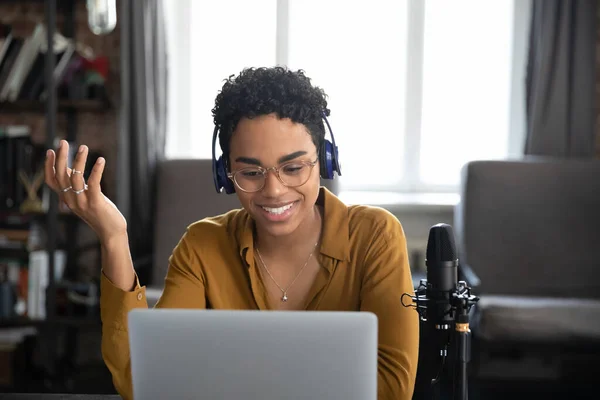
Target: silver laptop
point(251, 355)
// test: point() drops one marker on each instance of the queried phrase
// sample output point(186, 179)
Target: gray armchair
point(185, 194)
point(528, 235)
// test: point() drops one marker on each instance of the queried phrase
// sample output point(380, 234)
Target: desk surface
point(44, 396)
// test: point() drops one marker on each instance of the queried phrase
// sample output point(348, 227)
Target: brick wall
point(98, 130)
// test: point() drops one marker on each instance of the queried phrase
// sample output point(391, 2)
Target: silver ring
point(67, 189)
point(74, 171)
point(81, 190)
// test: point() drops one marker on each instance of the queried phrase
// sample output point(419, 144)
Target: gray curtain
point(142, 116)
point(561, 79)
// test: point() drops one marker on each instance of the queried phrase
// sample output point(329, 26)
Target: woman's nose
point(273, 186)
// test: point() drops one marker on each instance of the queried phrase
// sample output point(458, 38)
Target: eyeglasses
point(291, 174)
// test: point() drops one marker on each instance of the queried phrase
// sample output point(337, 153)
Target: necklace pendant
point(284, 298)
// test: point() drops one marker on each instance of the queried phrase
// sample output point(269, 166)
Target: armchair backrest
point(531, 227)
point(185, 194)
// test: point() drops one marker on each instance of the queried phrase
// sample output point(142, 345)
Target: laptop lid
point(235, 354)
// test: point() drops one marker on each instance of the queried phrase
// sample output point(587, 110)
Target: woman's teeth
point(278, 210)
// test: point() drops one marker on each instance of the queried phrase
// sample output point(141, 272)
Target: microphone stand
point(463, 301)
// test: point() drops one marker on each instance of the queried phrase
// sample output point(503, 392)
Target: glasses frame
point(265, 171)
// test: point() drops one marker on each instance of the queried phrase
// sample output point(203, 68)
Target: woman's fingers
point(94, 190)
point(85, 200)
point(70, 183)
point(49, 172)
point(60, 165)
point(77, 179)
point(78, 184)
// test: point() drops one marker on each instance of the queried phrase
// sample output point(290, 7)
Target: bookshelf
point(66, 80)
point(53, 98)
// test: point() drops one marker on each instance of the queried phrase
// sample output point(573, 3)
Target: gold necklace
point(284, 298)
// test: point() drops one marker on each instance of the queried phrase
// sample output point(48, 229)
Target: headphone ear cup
point(228, 185)
point(326, 160)
point(335, 161)
point(220, 177)
point(215, 171)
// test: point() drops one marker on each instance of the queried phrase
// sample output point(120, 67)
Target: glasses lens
point(294, 174)
point(249, 179)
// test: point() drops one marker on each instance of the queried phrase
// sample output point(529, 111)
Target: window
point(220, 38)
point(359, 58)
point(466, 86)
point(416, 88)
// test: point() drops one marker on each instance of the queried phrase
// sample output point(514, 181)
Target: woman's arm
point(387, 276)
point(184, 288)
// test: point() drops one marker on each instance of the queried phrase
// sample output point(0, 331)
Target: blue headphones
point(328, 161)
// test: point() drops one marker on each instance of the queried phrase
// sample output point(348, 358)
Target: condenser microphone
point(443, 303)
point(442, 266)
point(102, 16)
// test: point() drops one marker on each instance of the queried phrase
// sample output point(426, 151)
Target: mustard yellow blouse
point(364, 268)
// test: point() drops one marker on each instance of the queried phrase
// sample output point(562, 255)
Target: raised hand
point(85, 199)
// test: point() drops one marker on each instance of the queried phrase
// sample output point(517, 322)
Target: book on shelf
point(21, 170)
point(16, 154)
point(38, 281)
point(78, 73)
point(24, 267)
point(23, 264)
point(24, 283)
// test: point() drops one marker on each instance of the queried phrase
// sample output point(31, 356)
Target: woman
point(292, 246)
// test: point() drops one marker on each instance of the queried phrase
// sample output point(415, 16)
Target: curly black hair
point(261, 91)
